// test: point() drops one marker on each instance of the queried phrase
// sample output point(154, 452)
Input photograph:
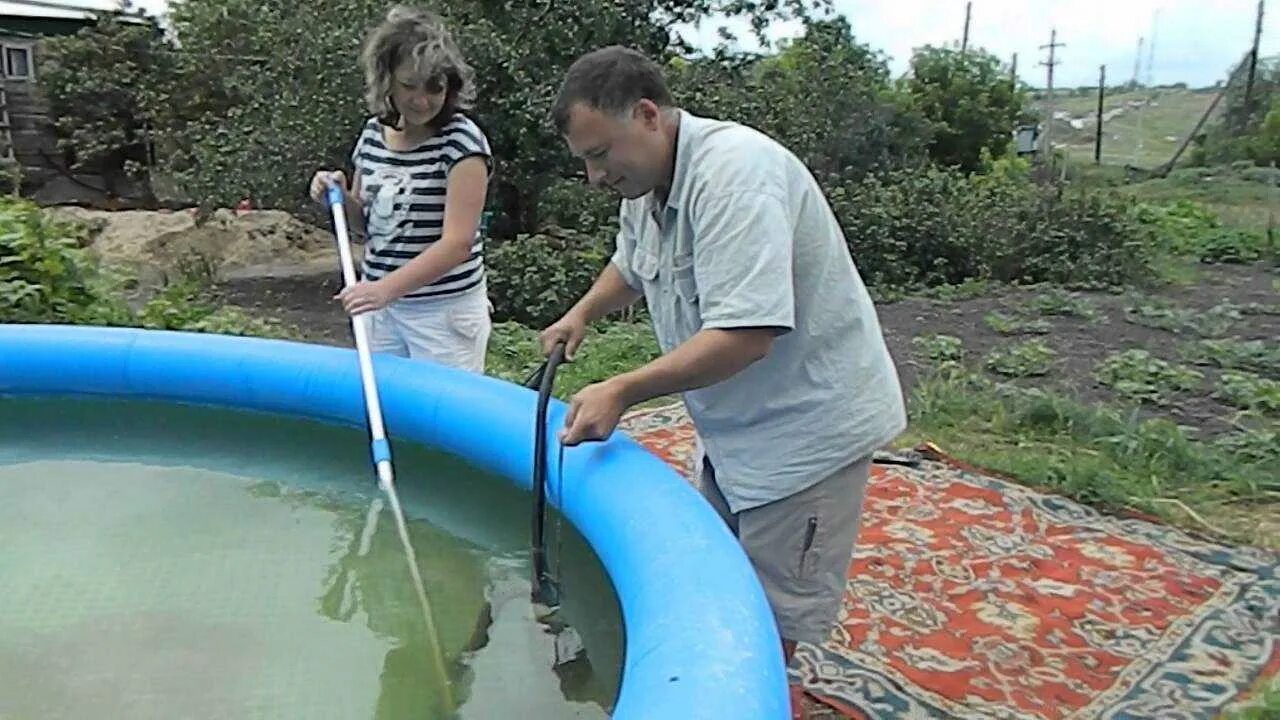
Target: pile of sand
point(156, 244)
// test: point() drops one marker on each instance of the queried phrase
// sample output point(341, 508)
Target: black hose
point(545, 591)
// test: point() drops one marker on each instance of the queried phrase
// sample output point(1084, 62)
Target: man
point(764, 324)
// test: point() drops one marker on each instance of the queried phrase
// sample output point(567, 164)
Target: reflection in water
point(501, 660)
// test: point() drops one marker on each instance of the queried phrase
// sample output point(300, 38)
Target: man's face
point(622, 153)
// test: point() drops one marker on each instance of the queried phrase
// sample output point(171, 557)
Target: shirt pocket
point(682, 294)
point(683, 280)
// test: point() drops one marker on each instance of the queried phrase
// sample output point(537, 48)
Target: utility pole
point(1151, 61)
point(1102, 90)
point(1253, 66)
point(1137, 63)
point(964, 44)
point(1013, 73)
point(1048, 126)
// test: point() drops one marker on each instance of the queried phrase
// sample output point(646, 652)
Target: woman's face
point(418, 99)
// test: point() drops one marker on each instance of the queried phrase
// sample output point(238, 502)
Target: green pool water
point(162, 561)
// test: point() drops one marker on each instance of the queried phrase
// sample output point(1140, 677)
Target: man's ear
point(647, 112)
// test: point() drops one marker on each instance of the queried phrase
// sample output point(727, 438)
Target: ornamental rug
point(970, 596)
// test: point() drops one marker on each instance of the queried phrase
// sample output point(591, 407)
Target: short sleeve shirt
point(747, 239)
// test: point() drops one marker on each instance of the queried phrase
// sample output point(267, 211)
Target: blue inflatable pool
point(700, 639)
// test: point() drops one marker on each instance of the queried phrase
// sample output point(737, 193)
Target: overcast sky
point(1196, 40)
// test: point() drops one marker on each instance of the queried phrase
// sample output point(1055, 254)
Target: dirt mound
point(157, 243)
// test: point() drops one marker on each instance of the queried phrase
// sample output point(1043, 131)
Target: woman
point(417, 192)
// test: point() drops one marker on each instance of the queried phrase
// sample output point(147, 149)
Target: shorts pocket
point(469, 319)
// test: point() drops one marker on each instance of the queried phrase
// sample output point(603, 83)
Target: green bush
point(1028, 359)
point(47, 276)
point(970, 102)
point(45, 273)
point(925, 227)
point(1233, 246)
point(184, 305)
point(575, 205)
point(1138, 375)
point(534, 279)
point(1179, 226)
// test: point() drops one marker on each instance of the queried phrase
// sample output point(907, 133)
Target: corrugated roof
point(58, 10)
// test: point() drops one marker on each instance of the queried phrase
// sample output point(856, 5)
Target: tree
point(825, 96)
point(970, 102)
point(102, 85)
point(271, 91)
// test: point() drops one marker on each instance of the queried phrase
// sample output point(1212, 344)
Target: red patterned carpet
point(973, 597)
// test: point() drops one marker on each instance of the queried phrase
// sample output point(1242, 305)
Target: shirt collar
point(684, 139)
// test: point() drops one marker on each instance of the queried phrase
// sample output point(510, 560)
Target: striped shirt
point(402, 195)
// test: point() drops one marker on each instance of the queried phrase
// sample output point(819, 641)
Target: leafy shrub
point(1056, 301)
point(1250, 392)
point(534, 279)
point(925, 227)
point(1254, 356)
point(575, 205)
point(1179, 226)
point(1009, 325)
point(1233, 246)
point(184, 305)
point(1136, 374)
point(1028, 359)
point(45, 273)
point(940, 349)
point(1162, 314)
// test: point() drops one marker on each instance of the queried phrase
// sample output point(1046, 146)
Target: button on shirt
point(746, 239)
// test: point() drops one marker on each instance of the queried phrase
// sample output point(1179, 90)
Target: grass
point(1266, 706)
point(608, 349)
point(1173, 115)
point(1239, 202)
point(1102, 456)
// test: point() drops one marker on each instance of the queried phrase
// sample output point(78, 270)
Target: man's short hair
point(610, 80)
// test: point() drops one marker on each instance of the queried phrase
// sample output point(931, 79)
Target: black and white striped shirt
point(402, 194)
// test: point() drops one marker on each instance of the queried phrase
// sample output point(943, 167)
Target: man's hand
point(365, 296)
point(594, 412)
point(569, 329)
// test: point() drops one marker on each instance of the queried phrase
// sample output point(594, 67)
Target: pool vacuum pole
point(381, 449)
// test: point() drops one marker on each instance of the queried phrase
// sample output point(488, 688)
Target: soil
point(305, 301)
point(1081, 343)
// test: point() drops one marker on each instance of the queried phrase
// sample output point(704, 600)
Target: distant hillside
point(1142, 127)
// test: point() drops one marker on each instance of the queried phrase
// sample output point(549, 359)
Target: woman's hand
point(365, 296)
point(321, 181)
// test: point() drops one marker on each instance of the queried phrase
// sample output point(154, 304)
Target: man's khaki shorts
point(800, 546)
